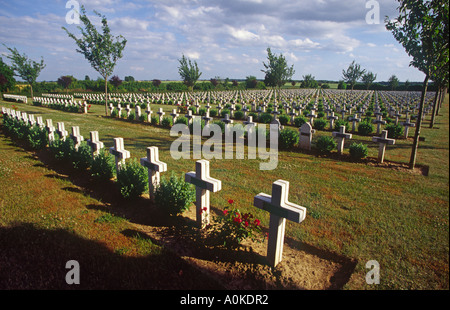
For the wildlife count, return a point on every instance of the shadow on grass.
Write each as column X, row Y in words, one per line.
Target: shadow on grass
column 35, row 258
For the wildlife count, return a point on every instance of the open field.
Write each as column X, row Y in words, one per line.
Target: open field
column 356, row 211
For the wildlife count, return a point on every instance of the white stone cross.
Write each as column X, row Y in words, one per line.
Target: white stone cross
column 40, row 122
column 119, row 152
column 227, row 122
column 354, row 119
column 190, row 117
column 207, row 118
column 311, row 116
column 149, row 112
column 407, row 124
column 51, row 129
column 94, row 143
column 379, row 121
column 160, row 113
column 203, row 185
column 280, row 209
column 174, row 115
column 341, row 135
column 61, row 131
column 332, row 118
column 155, row 167
column 383, row 141
column 76, row 137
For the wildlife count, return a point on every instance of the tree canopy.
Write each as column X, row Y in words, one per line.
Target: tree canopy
column 25, row 68
column 352, row 74
column 101, row 50
column 188, row 71
column 277, row 70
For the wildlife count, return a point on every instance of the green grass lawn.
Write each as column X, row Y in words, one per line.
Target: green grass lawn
column 364, row 212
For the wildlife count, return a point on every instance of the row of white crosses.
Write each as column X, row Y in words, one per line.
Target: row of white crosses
column 277, row 205
column 16, row 98
column 61, row 101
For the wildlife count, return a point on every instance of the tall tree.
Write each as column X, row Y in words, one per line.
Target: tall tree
column 309, row 81
column 352, row 74
column 101, row 50
column 393, row 82
column 116, row 81
column 277, row 70
column 422, row 29
column 65, row 82
column 368, row 78
column 7, row 80
column 189, row 71
column 24, row 67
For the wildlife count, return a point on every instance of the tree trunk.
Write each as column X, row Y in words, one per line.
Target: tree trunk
column 31, row 89
column 106, row 96
column 412, row 161
column 435, row 104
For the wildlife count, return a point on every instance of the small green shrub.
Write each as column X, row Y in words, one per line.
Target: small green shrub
column 224, row 112
column 166, row 122
column 325, row 144
column 115, row 113
column 182, row 120
column 132, row 179
column 320, row 124
column 238, row 115
column 300, row 120
column 365, row 128
column 37, row 138
column 154, row 120
column 81, row 158
column 358, row 150
column 288, row 138
column 212, row 112
column 265, row 118
column 340, row 122
column 103, row 166
column 62, row 149
column 284, row 119
column 174, row 196
column 394, row 131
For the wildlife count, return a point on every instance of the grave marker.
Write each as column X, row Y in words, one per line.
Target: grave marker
column 305, row 138
column 119, row 153
column 76, row 137
column 203, row 185
column 341, row 135
column 383, row 141
column 94, row 143
column 280, row 209
column 155, row 167
column 407, row 124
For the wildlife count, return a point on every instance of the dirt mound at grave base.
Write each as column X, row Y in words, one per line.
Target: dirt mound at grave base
column 302, row 267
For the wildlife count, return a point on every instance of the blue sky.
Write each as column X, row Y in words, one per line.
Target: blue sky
column 227, row 38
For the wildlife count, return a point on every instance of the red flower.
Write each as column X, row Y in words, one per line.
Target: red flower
column 237, row 220
column 246, row 223
column 230, row 201
column 204, row 209
column 225, row 212
column 257, row 222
